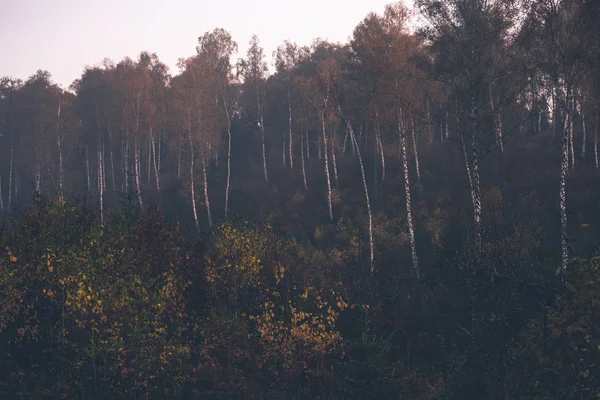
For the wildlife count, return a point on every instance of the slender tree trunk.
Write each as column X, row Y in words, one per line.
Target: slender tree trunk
column 179, row 160
column 475, row 177
column 596, row 136
column 208, row 213
column 283, row 147
column 307, row 145
column 112, row 170
column 584, row 127
column 149, row 161
column 192, row 181
column 60, row 153
column 38, row 176
column 380, row 145
column 429, row 123
column 326, row 166
column 319, row 148
column 569, row 118
column 416, row 151
column 344, row 145
column 137, row 172
column 290, row 126
column 446, row 123
column 497, row 121
column 87, row 169
column 366, row 189
column 409, row 219
column 302, row 159
column 154, row 158
column 262, row 136
column 333, row 159
column 10, row 174
column 101, row 181
column 1, row 195
column 564, row 166
column 228, row 157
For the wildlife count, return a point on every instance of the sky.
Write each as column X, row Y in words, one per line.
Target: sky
column 64, row 36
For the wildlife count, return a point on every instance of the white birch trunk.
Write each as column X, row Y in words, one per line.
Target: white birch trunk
column 262, row 136
column 497, row 121
column 155, row 160
column 137, row 173
column 207, row 203
column 380, row 146
column 192, row 181
column 596, row 137
column 290, row 126
column 333, row 159
column 569, row 118
column 345, row 140
column 409, row 219
column 101, row 182
column 564, row 166
column 584, row 127
column 326, row 166
column 228, row 157
column 302, row 160
column 366, row 189
column 283, row 147
column 87, row 169
column 416, row 151
column 475, row 177
column 10, row 175
column 60, row 153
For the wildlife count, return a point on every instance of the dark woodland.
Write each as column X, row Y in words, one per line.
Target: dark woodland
column 413, row 214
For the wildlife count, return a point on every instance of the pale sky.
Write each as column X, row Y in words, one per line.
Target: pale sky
column 63, row 36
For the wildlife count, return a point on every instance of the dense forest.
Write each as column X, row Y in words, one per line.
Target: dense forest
column 413, row 214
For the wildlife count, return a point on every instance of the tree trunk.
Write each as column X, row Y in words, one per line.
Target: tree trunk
column 497, row 118
column 179, row 160
column 11, row 167
column 154, row 159
column 283, row 147
column 333, row 159
column 87, row 169
column 345, row 140
column 192, row 181
column 475, row 177
column 564, row 166
column 262, row 136
column 380, row 146
column 409, row 220
column 290, row 125
column 307, row 145
column 366, row 189
column 1, row 196
column 208, row 213
column 595, row 136
column 228, row 157
column 112, row 171
column 60, row 153
column 38, row 177
column 584, row 127
column 569, row 118
column 101, row 181
column 319, row 148
column 137, row 172
column 326, row 166
column 416, row 151
column 302, row 159
column 429, row 123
